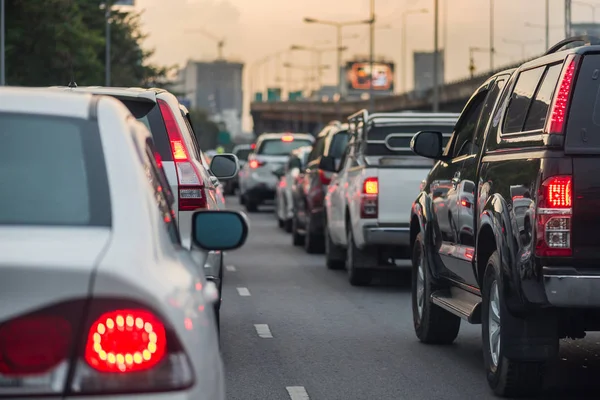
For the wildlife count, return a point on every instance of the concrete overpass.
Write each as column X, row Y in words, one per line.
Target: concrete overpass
column 310, row 116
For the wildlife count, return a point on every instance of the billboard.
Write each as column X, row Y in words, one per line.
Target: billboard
column 359, row 76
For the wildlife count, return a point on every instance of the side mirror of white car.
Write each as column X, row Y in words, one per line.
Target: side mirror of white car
column 225, row 166
column 219, row 230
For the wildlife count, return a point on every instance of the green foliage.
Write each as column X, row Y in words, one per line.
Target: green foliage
column 206, row 130
column 45, row 38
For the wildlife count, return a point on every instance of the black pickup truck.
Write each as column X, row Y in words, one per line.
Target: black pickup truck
column 505, row 231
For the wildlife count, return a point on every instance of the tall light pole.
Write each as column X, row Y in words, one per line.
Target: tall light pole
column 436, row 56
column 2, row 44
column 403, row 44
column 492, row 35
column 547, row 24
column 338, row 26
column 107, row 72
column 371, row 56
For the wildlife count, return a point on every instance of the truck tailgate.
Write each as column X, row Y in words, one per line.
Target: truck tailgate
column 586, row 209
column 398, row 189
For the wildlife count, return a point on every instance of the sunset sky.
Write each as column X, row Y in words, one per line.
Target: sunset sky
column 257, row 28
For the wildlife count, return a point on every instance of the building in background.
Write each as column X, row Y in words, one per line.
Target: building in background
column 216, row 87
column 423, row 70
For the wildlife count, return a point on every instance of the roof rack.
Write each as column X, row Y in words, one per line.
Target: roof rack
column 356, row 120
column 586, row 39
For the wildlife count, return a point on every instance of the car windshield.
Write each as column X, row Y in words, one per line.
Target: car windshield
column 56, row 167
column 242, row 154
column 338, row 144
column 277, row 147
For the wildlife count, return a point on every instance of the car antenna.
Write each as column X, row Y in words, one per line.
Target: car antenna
column 72, row 84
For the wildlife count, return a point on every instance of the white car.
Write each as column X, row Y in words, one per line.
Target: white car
column 190, row 179
column 97, row 294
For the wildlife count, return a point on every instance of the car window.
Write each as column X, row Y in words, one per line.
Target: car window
column 318, row 149
column 486, row 113
column 536, row 118
column 294, row 162
column 153, row 173
column 53, row 172
column 520, row 99
column 465, row 128
column 338, row 144
column 278, row 147
column 242, row 154
column 190, row 137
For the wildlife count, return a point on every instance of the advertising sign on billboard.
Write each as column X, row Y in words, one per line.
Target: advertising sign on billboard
column 359, row 76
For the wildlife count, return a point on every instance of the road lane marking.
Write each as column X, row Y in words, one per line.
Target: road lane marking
column 243, row 291
column 263, row 331
column 297, row 393
column 230, row 268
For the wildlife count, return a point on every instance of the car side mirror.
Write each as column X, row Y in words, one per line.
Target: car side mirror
column 327, row 163
column 427, row 144
column 224, row 166
column 219, row 230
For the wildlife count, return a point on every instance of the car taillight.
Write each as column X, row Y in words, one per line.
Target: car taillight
column 465, row 203
column 324, row 177
column 560, row 104
column 192, row 194
column 369, row 205
column 287, row 138
column 255, row 164
column 554, row 211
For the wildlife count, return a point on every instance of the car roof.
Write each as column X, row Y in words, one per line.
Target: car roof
column 268, row 136
column 132, row 92
column 45, row 102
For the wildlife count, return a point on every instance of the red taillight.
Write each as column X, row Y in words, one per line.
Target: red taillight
column 554, row 217
column 191, row 194
column 158, row 159
column 323, row 176
column 287, row 138
column 34, row 345
column 369, row 206
column 559, row 109
column 253, row 146
column 465, row 203
column 125, row 341
column 255, row 164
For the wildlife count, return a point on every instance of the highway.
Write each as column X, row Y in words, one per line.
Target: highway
column 291, row 329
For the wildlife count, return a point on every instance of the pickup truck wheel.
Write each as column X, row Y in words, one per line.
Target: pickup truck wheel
column 506, row 377
column 335, row 256
column 313, row 242
column 357, row 263
column 251, row 205
column 433, row 324
column 297, row 239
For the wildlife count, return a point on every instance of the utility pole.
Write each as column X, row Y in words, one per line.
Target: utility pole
column 2, row 44
column 371, row 56
column 567, row 18
column 436, row 56
column 492, row 50
column 547, row 24
column 107, row 5
column 338, row 68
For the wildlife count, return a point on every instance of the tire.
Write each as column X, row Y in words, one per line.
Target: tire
column 507, row 377
column 242, row 199
column 313, row 243
column 288, row 225
column 335, row 256
column 433, row 325
column 251, row 205
column 297, row 239
column 357, row 262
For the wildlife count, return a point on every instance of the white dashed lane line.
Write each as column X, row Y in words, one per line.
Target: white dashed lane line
column 230, row 268
column 297, row 393
column 263, row 331
column 242, row 291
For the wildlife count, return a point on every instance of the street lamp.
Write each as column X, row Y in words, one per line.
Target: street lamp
column 522, row 43
column 404, row 35
column 318, row 52
column 338, row 26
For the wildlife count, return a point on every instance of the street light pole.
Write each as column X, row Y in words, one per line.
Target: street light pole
column 491, row 35
column 371, row 56
column 436, row 56
column 107, row 71
column 339, row 58
column 547, row 24
column 2, row 44
column 403, row 45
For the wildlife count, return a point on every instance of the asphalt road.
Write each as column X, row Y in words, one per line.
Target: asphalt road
column 292, row 329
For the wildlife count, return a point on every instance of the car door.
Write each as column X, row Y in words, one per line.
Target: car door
column 445, row 178
column 338, row 187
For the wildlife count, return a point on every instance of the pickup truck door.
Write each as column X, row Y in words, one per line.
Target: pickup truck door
column 337, row 211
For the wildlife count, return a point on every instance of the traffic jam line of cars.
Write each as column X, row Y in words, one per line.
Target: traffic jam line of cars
column 495, row 208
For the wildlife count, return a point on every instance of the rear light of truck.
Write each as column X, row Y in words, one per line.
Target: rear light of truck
column 554, row 212
column 560, row 103
column 369, row 202
column 116, row 350
column 465, row 202
column 191, row 193
column 253, row 164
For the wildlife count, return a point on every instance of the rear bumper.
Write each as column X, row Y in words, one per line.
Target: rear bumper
column 387, row 236
column 565, row 289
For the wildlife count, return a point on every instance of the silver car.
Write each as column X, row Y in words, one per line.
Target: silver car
column 288, row 177
column 257, row 182
column 98, row 297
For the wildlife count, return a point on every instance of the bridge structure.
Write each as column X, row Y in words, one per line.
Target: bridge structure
column 311, row 116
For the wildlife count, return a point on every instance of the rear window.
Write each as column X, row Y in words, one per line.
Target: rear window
column 55, row 170
column 338, row 144
column 148, row 113
column 277, row 147
column 243, row 154
column 399, row 145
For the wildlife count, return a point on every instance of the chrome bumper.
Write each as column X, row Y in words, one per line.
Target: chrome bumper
column 580, row 291
column 398, row 236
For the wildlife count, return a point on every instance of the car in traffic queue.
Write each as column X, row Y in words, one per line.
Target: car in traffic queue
column 308, row 219
column 241, row 151
column 369, row 197
column 99, row 297
column 527, row 267
column 176, row 144
column 256, row 179
column 290, row 177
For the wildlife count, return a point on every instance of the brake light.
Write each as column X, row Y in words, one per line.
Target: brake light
column 253, row 146
column 369, row 206
column 191, row 195
column 255, row 164
column 323, row 176
column 553, row 236
column 559, row 109
column 158, row 159
column 287, row 138
column 465, row 203
column 125, row 341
